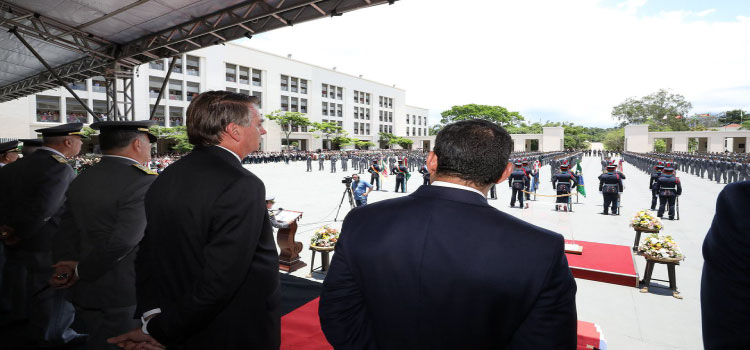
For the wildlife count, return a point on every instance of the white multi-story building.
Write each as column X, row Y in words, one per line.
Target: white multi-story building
column 362, row 107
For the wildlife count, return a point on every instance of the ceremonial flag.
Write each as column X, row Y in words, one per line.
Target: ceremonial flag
column 581, row 188
column 383, row 167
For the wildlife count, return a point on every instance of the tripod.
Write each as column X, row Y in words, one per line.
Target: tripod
column 347, row 193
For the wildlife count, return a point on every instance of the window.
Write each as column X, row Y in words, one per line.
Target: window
column 407, row 131
column 361, row 113
column 407, row 119
column 340, row 110
column 380, row 116
column 362, row 128
column 420, row 131
column 260, row 98
column 356, row 128
column 390, row 117
column 98, row 84
column 390, row 129
column 413, row 131
column 175, row 116
column 367, row 113
column 294, row 84
column 231, row 73
column 324, row 90
column 192, row 65
column 332, row 93
column 390, row 103
column 295, row 104
column 157, row 65
column 367, row 129
column 245, row 92
column 356, row 96
column 231, row 89
column 177, row 65
column 285, row 103
column 356, row 112
column 75, row 113
column 256, row 78
column 79, row 85
column 158, row 115
column 154, row 86
column 303, row 105
column 381, row 100
column 367, row 99
column 193, row 89
column 244, row 75
column 175, row 90
column 100, row 108
column 420, row 120
column 284, row 83
column 339, row 93
column 325, row 108
column 332, row 109
column 303, row 86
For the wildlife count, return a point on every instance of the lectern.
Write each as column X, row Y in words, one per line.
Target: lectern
column 289, row 256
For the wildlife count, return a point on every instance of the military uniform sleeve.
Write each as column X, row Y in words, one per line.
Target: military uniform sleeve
column 127, row 231
column 48, row 196
column 67, row 243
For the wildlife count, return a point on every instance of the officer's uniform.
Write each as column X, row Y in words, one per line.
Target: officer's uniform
column 309, row 162
column 425, row 175
column 401, row 172
column 610, row 185
column 9, row 152
column 669, row 187
column 517, row 182
column 321, row 159
column 344, row 159
column 652, row 185
column 100, row 229
column 333, row 163
column 36, row 186
column 563, row 182
column 375, row 174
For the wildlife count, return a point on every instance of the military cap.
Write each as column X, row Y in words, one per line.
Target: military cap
column 9, row 146
column 517, row 163
column 564, row 166
column 63, row 130
column 611, row 166
column 659, row 166
column 374, row 161
column 270, row 199
column 134, row 125
column 668, row 169
column 31, row 142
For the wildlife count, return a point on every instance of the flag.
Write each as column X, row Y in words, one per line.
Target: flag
column 678, row 117
column 383, row 167
column 579, row 170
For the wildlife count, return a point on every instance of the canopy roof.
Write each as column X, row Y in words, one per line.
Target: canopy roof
column 82, row 38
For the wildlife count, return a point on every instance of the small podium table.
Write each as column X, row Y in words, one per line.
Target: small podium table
column 289, row 260
column 671, row 263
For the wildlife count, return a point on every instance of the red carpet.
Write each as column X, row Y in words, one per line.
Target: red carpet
column 300, row 330
column 606, row 263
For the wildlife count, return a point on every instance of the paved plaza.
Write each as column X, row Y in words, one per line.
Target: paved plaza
column 629, row 319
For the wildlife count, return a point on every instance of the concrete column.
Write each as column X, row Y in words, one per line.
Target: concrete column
column 680, row 144
column 716, row 143
column 552, row 139
column 518, row 144
column 637, row 139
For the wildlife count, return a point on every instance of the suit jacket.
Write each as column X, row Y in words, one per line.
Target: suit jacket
column 101, row 228
column 447, row 271
column 725, row 284
column 208, row 258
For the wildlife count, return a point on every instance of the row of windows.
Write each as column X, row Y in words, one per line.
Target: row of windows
column 386, row 102
column 361, row 97
column 417, row 132
column 361, row 113
column 416, row 120
column 249, row 93
column 174, row 87
column 333, row 109
column 48, row 111
column 339, row 123
column 386, row 116
column 176, row 115
column 333, row 92
column 386, row 128
column 297, row 104
column 192, row 65
column 293, row 84
column 244, row 76
column 361, row 128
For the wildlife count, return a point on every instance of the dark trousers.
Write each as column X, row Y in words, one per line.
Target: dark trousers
column 654, row 197
column 401, row 182
column 375, row 181
column 320, row 166
column 309, row 166
column 664, row 200
column 527, row 189
column 106, row 323
column 361, row 202
column 333, row 167
column 426, row 181
column 493, row 192
column 610, row 199
column 516, row 194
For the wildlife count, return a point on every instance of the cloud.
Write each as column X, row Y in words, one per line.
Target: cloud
column 631, row 6
column 557, row 60
column 705, row 12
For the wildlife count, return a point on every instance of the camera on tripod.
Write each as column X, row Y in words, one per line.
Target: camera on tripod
column 347, row 180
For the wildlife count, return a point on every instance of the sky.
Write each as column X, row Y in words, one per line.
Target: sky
column 547, row 59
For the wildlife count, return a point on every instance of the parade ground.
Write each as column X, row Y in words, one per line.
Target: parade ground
column 628, row 318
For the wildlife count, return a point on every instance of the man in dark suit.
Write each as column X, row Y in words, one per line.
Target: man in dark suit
column 207, row 272
column 101, row 228
column 449, row 271
column 725, row 295
column 32, row 203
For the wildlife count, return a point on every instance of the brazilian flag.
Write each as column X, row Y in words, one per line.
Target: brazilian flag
column 579, row 172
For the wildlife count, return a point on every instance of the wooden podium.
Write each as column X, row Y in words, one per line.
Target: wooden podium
column 289, row 257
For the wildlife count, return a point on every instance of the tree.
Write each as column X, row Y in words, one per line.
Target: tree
column 614, row 140
column 342, row 141
column 404, row 142
column 388, row 138
column 736, row 116
column 177, row 134
column 289, row 122
column 435, row 129
column 745, row 125
column 660, row 109
column 660, row 145
column 364, row 144
column 328, row 129
column 495, row 114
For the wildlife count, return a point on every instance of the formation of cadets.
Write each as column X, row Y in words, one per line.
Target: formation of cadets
column 720, row 167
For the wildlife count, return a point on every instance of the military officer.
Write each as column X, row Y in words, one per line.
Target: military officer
column 309, row 162
column 29, row 146
column 610, row 186
column 652, row 184
column 564, row 182
column 425, row 175
column 669, row 188
column 100, row 228
column 270, row 201
column 321, row 159
column 344, row 159
column 333, row 159
column 8, row 152
column 375, row 174
column 402, row 174
column 517, row 182
column 36, row 186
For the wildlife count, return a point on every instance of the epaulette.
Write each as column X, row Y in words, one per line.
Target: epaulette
column 60, row 159
column 145, row 170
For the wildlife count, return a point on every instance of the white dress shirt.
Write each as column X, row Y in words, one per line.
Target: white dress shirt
column 460, row 187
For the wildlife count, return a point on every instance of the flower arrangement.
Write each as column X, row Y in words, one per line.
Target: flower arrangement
column 324, row 237
column 660, row 247
column 645, row 219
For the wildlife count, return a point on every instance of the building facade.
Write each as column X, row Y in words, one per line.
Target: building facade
column 362, row 107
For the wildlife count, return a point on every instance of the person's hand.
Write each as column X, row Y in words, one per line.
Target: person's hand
column 364, row 194
column 64, row 275
column 135, row 340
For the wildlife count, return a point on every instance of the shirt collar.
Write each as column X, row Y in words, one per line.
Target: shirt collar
column 128, row 158
column 53, row 151
column 460, row 187
column 234, row 154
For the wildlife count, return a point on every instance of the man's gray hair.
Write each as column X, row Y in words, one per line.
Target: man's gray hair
column 210, row 112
